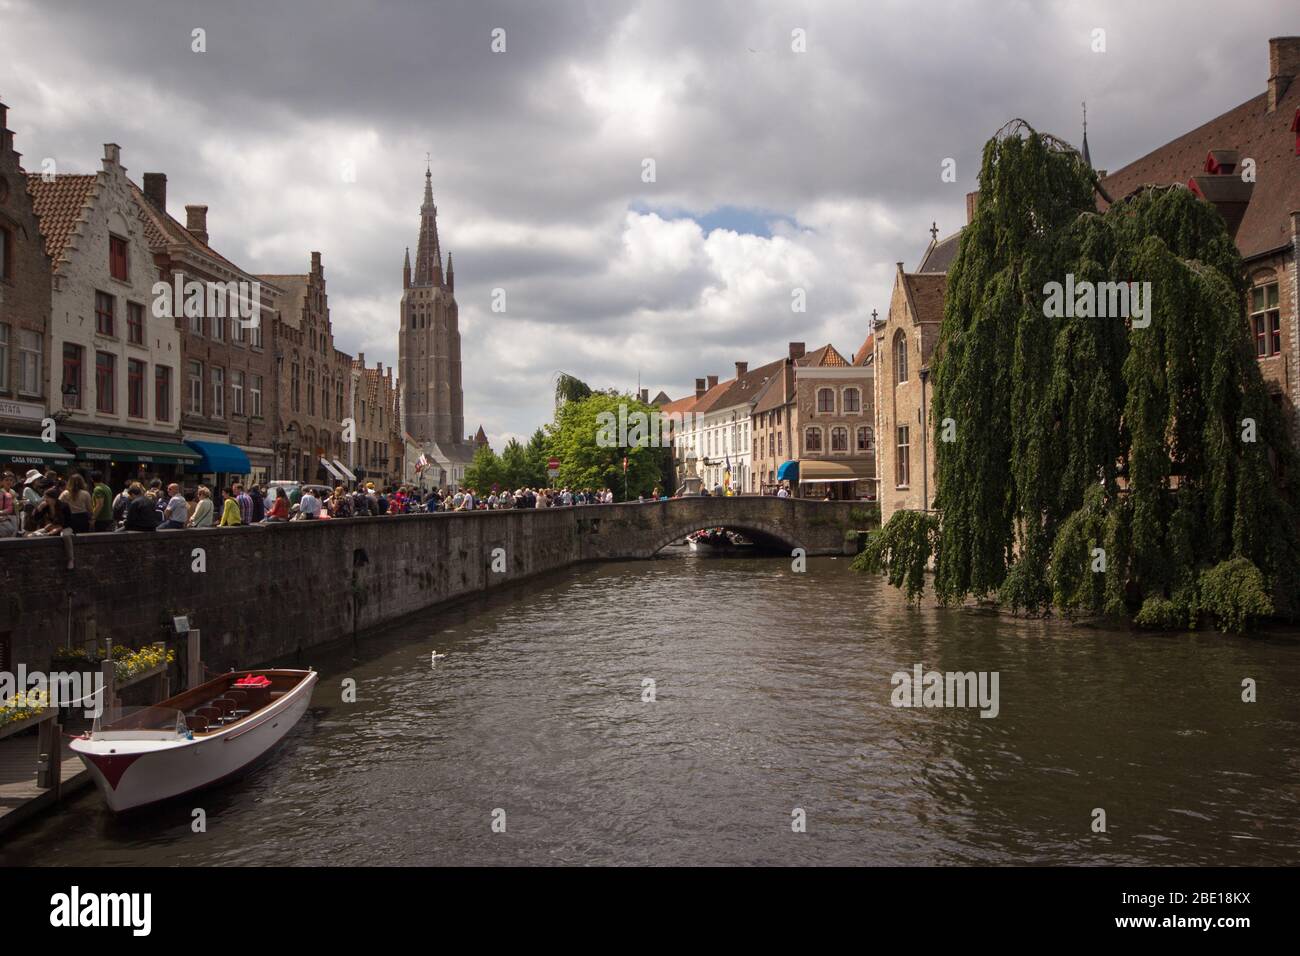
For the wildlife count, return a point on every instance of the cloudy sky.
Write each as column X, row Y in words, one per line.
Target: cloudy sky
column 774, row 169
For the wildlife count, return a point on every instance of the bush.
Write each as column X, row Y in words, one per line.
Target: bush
column 1233, row 594
column 1161, row 614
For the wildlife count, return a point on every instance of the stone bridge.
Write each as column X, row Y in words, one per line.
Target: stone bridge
column 639, row 530
column 274, row 592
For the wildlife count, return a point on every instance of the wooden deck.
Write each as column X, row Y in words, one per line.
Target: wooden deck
column 19, row 795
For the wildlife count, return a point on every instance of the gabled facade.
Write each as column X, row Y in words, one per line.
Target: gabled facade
column 904, row 343
column 314, row 379
column 375, row 401
column 116, row 366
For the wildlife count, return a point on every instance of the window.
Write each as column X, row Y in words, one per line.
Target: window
column 839, row 439
column 293, row 386
column 4, row 253
column 852, row 401
column 256, row 337
column 1266, row 320
column 339, row 390
column 238, row 330
column 825, row 401
column 103, row 313
column 771, row 443
column 195, row 372
column 324, row 395
column 117, row 258
column 217, row 323
column 903, row 467
column 255, row 396
column 237, row 392
column 4, row 355
column 779, row 452
column 105, row 381
column 218, row 392
column 72, row 365
column 135, row 388
column 311, row 391
column 812, row 439
column 31, row 362
column 162, row 393
column 135, row 323
column 866, row 441
column 900, row 358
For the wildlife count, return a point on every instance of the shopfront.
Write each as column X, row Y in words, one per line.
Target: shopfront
column 21, row 453
column 129, row 459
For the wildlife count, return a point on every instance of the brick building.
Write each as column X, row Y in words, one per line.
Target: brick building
column 375, row 412
column 227, row 359
column 314, row 380
column 24, row 321
column 819, row 412
column 1216, row 161
column 902, row 345
column 116, row 364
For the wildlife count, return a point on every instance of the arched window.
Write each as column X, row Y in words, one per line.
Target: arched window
column 900, row 358
column 866, row 439
column 826, row 401
column 839, row 438
column 812, row 439
column 852, row 401
column 294, row 391
column 311, row 390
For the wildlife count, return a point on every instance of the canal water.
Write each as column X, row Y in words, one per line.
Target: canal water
column 772, row 704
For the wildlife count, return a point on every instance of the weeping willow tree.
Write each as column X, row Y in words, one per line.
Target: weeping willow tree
column 1100, row 462
column 569, row 388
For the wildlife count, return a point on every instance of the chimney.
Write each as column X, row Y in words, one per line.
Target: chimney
column 700, row 388
column 1283, row 65
column 645, row 396
column 155, row 189
column 796, row 350
column 315, row 263
column 196, row 222
column 713, row 381
column 6, row 141
column 972, row 200
column 741, row 368
column 112, row 155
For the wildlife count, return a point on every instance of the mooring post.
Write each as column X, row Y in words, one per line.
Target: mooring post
column 194, row 663
column 108, row 672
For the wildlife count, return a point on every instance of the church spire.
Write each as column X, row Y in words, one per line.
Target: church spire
column 1084, row 151
column 406, row 270
column 428, row 255
column 451, row 275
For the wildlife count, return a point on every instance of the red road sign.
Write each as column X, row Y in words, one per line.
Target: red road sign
column 554, row 463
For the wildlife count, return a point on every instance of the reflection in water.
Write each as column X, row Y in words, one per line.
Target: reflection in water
column 772, row 692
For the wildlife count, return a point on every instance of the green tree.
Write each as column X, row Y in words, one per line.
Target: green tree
column 591, row 455
column 1079, row 432
column 485, row 472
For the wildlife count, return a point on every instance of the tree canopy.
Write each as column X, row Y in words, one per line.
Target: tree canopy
column 1100, row 462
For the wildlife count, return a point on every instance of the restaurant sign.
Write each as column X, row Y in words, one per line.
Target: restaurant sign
column 27, row 411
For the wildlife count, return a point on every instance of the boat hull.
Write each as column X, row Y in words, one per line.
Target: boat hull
column 133, row 774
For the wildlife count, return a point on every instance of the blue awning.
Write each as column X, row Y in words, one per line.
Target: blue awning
column 789, row 471
column 218, row 457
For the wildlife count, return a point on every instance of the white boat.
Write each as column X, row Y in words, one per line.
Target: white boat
column 196, row 739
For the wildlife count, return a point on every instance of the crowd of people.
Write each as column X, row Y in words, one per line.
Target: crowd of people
column 48, row 503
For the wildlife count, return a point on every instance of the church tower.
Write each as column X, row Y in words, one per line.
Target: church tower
column 429, row 342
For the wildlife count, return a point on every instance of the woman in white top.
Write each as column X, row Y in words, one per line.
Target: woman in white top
column 202, row 517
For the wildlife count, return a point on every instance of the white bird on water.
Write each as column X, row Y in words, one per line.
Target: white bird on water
column 434, row 657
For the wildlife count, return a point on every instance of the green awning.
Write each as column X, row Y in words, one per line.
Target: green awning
column 112, row 448
column 25, row 450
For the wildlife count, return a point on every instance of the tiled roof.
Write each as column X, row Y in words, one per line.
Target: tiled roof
column 679, row 406
column 824, row 357
column 865, row 350
column 940, row 254
column 926, row 291
column 163, row 230
column 778, row 391
column 60, row 205
column 737, row 391
column 1255, row 133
